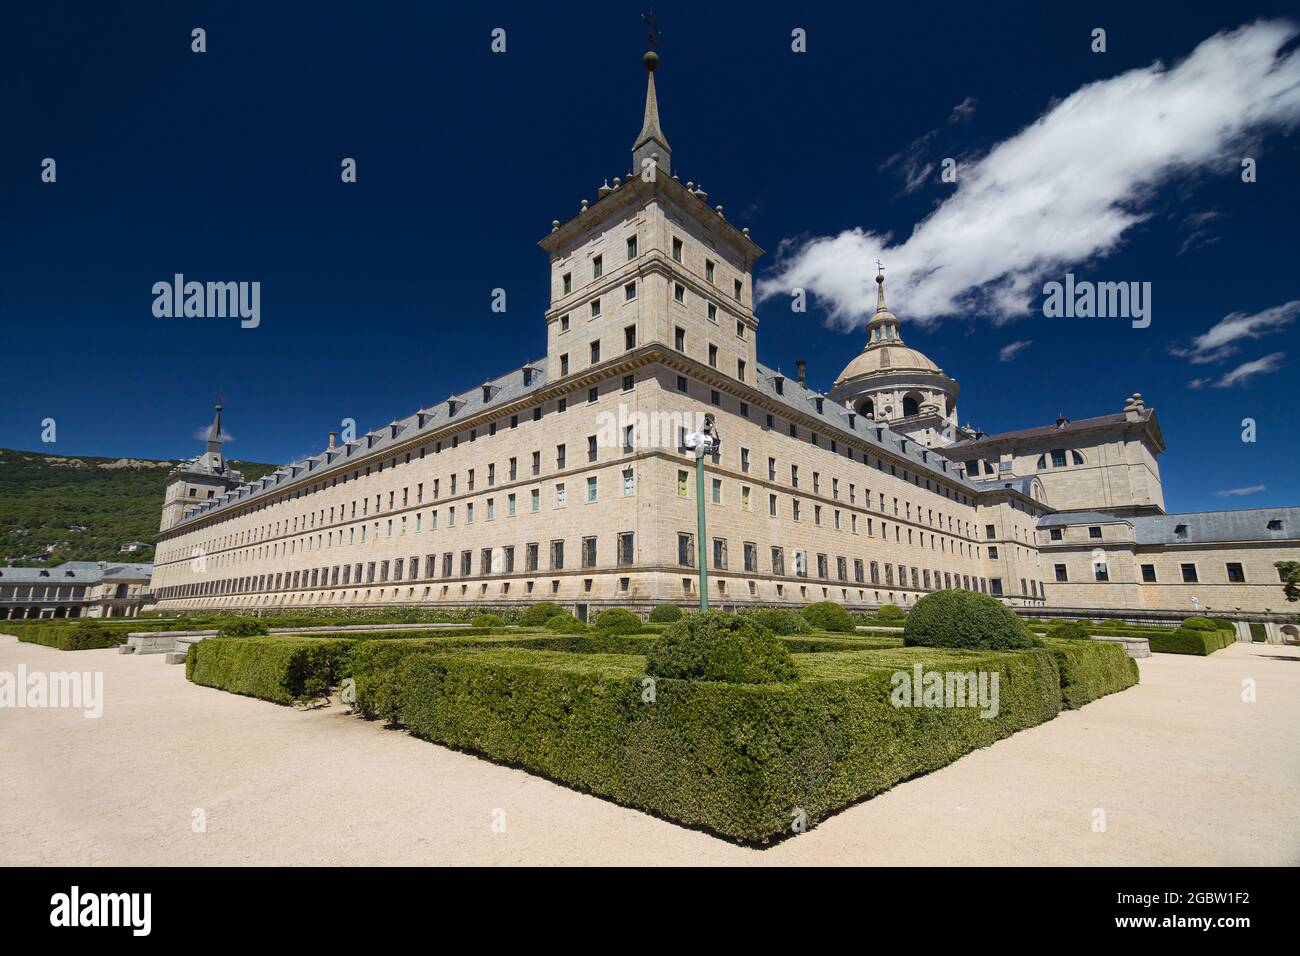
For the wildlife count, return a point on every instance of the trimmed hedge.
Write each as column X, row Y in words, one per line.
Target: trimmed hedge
column 488, row 620
column 1192, row 641
column 539, row 614
column 616, row 619
column 1070, row 630
column 780, row 620
column 86, row 634
column 891, row 612
column 829, row 616
column 274, row 669
column 745, row 761
column 720, row 647
column 956, row 618
column 665, row 614
column 1199, row 624
column 1091, row 669
column 243, row 627
column 565, row 623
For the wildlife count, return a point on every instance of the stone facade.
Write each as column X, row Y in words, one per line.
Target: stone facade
column 566, row 480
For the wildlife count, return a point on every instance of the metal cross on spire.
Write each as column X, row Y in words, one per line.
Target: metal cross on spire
column 653, row 32
column 879, row 266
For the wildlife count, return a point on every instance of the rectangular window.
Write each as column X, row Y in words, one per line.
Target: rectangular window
column 1061, row 573
column 1058, row 457
column 679, row 339
column 629, row 337
column 686, row 550
column 595, row 352
column 589, row 552
column 629, row 482
column 597, row 267
column 677, row 250
column 567, row 283
column 1094, row 532
column 683, row 483
column 1189, row 574
column 1235, row 574
column 626, row 549
column 530, row 556
column 1148, row 574
column 631, row 247
column 708, row 270
column 713, row 356
column 595, row 308
column 720, row 553
column 995, row 587
column 679, row 293
column 591, row 489
column 557, row 555
column 535, row 499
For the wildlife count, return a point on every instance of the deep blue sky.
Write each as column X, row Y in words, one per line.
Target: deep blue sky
column 375, row 296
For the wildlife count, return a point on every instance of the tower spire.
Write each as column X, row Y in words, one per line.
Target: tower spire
column 880, row 287
column 883, row 327
column 214, row 432
column 651, row 144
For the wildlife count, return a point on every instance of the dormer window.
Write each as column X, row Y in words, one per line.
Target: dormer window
column 1275, row 524
column 1180, row 531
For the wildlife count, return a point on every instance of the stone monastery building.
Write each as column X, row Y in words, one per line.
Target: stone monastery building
column 566, row 480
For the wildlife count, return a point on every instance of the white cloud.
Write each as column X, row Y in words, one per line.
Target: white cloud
column 1221, row 340
column 1248, row 370
column 1010, row 351
column 1062, row 191
column 1238, row 492
column 201, row 434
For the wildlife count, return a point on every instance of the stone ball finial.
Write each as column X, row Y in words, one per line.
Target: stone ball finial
column 555, row 224
column 651, row 60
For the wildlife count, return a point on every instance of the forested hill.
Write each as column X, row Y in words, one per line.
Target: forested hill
column 46, row 501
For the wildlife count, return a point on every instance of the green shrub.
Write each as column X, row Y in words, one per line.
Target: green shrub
column 272, row 668
column 956, row 618
column 1258, row 632
column 1198, row 624
column 488, row 620
column 781, row 621
column 665, row 614
column 617, row 620
column 828, row 616
column 1190, row 640
column 736, row 759
column 890, row 612
column 565, row 623
column 1223, row 624
column 243, row 627
column 539, row 614
column 720, row 647
column 1092, row 669
column 1113, row 622
column 1071, row 630
column 79, row 634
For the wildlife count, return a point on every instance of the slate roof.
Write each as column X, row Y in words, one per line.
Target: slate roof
column 75, row 572
column 1200, row 527
column 1039, row 431
column 501, row 391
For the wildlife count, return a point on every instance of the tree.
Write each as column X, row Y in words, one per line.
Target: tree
column 1289, row 572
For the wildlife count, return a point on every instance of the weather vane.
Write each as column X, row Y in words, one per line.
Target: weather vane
column 653, row 31
column 879, row 266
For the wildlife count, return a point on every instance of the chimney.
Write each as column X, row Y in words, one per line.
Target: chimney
column 334, row 437
column 801, row 368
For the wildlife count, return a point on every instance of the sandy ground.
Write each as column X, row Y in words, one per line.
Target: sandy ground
column 1184, row 771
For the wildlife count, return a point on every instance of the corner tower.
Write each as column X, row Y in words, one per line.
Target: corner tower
column 198, row 479
column 650, row 262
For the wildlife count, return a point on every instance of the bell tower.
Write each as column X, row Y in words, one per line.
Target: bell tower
column 193, row 482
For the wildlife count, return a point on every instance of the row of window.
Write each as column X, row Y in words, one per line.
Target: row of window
column 1233, row 570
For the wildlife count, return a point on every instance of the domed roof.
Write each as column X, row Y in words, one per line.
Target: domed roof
column 887, row 357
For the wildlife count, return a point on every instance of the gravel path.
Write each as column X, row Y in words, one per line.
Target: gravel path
column 1184, row 771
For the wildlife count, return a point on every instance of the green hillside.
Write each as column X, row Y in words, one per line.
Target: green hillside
column 44, row 499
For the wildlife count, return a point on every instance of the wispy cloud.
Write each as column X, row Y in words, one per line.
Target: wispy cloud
column 1248, row 370
column 1064, row 190
column 1010, row 351
column 1223, row 338
column 201, row 434
column 963, row 110
column 1238, row 492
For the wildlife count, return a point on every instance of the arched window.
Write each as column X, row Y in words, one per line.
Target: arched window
column 867, row 408
column 1078, row 459
column 1042, row 462
column 911, row 404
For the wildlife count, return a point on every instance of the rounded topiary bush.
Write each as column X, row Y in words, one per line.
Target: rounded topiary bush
column 488, row 620
column 1071, row 630
column 665, row 614
column 242, row 627
column 890, row 612
column 720, row 647
column 957, row 618
column 1223, row 624
column 828, row 616
column 1199, row 624
column 781, row 621
column 565, row 623
column 539, row 614
column 617, row 620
